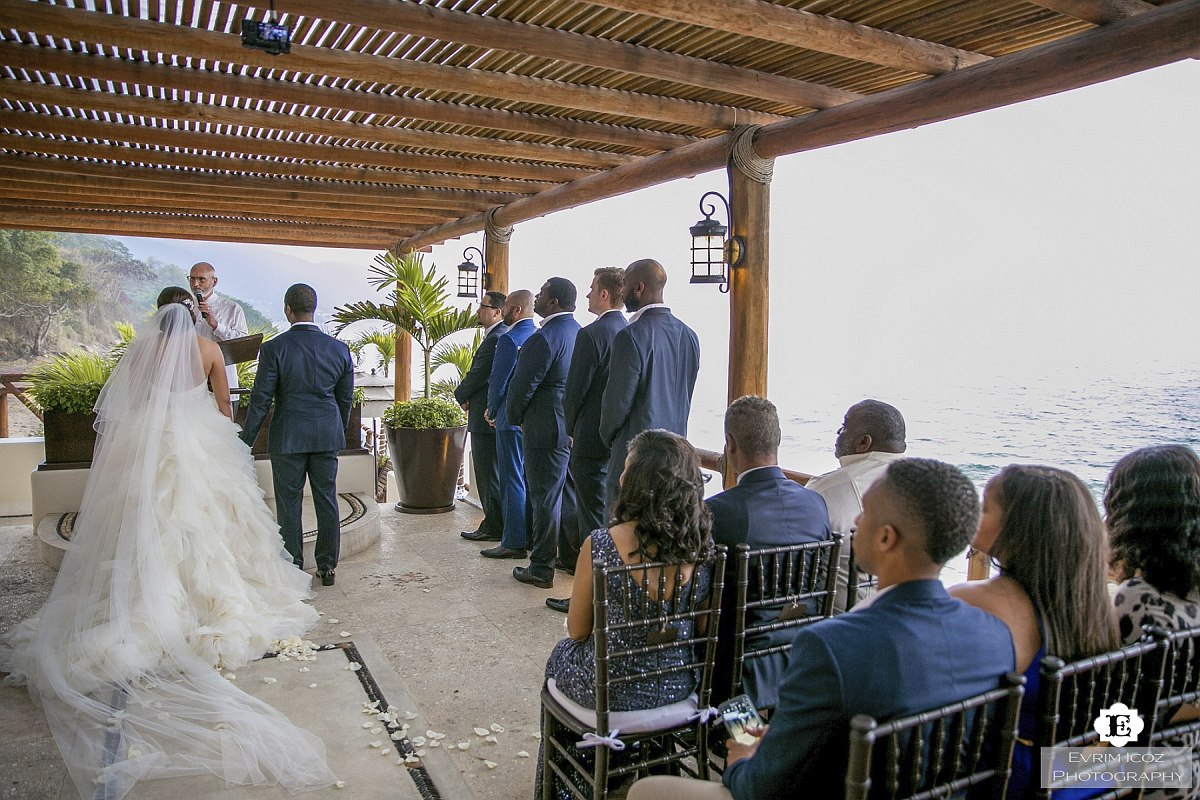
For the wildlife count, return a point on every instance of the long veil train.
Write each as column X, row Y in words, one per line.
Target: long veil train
column 175, row 567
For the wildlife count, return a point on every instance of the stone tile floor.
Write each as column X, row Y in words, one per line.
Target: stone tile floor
column 466, row 641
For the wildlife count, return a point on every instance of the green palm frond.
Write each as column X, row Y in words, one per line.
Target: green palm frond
column 365, row 310
column 384, row 343
column 456, row 355
column 443, row 387
column 446, row 324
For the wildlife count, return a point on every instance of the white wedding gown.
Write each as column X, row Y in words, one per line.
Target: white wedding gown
column 175, row 570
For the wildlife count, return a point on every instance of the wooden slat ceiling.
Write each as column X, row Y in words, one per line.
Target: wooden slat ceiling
column 398, row 123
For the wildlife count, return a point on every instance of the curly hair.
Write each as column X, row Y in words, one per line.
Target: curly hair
column 941, row 497
column 1052, row 543
column 662, row 491
column 1153, row 507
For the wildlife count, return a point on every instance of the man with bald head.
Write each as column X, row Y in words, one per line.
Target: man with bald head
column 510, row 461
column 872, row 436
column 220, row 319
column 651, row 373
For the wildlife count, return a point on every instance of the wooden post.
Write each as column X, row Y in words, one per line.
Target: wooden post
column 3, row 413
column 979, row 565
column 402, row 371
column 495, row 252
column 750, row 212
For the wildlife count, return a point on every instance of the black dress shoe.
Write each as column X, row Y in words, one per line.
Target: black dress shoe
column 503, row 552
column 480, row 536
column 523, row 575
column 326, row 577
column 563, row 605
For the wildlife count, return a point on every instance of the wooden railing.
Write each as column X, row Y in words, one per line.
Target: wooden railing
column 14, row 383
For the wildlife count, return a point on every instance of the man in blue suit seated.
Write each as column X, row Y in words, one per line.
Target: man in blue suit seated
column 764, row 509
column 910, row 648
column 535, row 403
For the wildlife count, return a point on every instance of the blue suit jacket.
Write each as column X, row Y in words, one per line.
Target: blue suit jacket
column 651, row 375
column 309, row 376
column 503, row 363
column 535, row 392
column 765, row 510
column 586, row 381
column 473, row 388
column 914, row 648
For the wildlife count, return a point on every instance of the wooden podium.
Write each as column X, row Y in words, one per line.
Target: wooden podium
column 243, row 348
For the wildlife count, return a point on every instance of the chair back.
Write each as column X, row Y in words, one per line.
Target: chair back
column 938, row 753
column 856, row 580
column 778, row 588
column 1180, row 685
column 682, row 628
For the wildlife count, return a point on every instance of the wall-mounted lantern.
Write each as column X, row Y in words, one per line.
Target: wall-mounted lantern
column 469, row 274
column 712, row 253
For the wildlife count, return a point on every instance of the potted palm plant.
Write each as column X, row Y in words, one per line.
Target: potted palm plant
column 427, row 436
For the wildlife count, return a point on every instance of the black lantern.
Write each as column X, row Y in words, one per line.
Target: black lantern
column 468, row 274
column 712, row 253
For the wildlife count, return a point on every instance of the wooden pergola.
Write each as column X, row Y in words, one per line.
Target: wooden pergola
column 400, row 124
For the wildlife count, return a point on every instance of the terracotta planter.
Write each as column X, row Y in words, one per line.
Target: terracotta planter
column 427, row 462
column 259, row 448
column 70, row 439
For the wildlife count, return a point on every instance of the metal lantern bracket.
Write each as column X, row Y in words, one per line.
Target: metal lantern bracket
column 708, row 252
column 468, row 274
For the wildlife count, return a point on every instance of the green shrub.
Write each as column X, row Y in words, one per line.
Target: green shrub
column 70, row 382
column 425, row 412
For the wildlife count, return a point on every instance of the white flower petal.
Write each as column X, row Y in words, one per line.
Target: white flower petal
column 497, row 728
column 354, row 665
column 464, row 745
column 418, row 741
column 421, row 752
column 375, row 743
column 229, row 676
column 269, row 680
column 312, row 686
column 340, row 784
column 480, row 731
column 333, row 620
column 522, row 754
column 376, row 731
column 410, row 715
column 344, row 633
column 435, row 743
column 490, row 739
column 490, row 764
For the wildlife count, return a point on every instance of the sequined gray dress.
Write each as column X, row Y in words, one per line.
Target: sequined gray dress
column 572, row 664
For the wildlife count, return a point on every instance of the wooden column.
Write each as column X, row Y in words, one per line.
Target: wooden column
column 495, row 252
column 750, row 212
column 402, row 374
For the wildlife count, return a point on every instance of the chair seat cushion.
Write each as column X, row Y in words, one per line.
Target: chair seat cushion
column 649, row 719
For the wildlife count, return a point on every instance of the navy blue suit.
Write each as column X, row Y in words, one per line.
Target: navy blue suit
column 914, row 648
column 535, row 402
column 582, row 401
column 765, row 509
column 651, row 375
column 510, row 462
column 472, row 391
column 309, row 377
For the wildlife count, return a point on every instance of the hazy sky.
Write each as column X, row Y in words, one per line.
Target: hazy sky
column 1058, row 238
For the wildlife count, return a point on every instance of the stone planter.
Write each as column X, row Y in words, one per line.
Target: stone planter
column 70, row 439
column 259, row 448
column 427, row 462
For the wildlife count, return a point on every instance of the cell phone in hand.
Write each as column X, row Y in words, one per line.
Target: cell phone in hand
column 740, row 716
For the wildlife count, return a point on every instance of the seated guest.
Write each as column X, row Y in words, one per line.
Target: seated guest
column 871, row 437
column 659, row 516
column 764, row 509
column 1041, row 526
column 910, row 648
column 1153, row 508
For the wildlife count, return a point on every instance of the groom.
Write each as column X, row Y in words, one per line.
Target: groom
column 310, row 377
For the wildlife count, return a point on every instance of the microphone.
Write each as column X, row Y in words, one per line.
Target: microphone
column 199, row 300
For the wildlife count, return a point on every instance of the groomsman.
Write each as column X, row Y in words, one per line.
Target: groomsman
column 309, row 377
column 652, row 370
column 510, row 461
column 471, row 394
column 535, row 402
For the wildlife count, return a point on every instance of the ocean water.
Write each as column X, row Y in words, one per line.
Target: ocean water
column 1079, row 422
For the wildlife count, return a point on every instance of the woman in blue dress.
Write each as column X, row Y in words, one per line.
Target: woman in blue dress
column 1042, row 527
column 660, row 516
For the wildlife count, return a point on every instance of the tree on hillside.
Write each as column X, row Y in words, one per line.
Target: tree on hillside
column 37, row 288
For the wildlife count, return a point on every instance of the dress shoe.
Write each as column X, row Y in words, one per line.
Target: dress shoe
column 480, row 536
column 523, row 575
column 563, row 605
column 326, row 577
column 503, row 552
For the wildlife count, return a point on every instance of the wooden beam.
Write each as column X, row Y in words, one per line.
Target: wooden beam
column 749, row 286
column 260, row 166
column 532, row 176
column 1158, row 37
column 495, row 254
column 773, row 23
column 407, row 18
column 1097, row 12
column 429, row 198
column 200, row 115
column 78, row 24
column 142, row 73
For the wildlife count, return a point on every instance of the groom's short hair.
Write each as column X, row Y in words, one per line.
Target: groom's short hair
column 300, row 298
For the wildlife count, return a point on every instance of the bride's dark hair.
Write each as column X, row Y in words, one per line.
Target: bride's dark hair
column 663, row 492
column 177, row 294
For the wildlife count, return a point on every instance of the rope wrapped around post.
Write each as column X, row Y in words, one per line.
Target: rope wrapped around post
column 496, row 233
column 748, row 162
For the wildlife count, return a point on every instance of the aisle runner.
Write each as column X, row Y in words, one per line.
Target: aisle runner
column 328, row 700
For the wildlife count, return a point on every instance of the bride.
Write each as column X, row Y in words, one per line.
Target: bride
column 175, row 571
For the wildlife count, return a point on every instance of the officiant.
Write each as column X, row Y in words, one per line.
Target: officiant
column 218, row 318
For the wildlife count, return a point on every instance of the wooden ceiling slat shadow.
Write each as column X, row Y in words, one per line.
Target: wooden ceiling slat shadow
column 397, row 123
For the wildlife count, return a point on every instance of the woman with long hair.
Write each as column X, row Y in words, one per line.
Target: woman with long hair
column 660, row 516
column 1041, row 526
column 175, row 571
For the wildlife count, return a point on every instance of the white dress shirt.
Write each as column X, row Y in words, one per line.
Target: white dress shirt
column 635, row 316
column 231, row 323
column 843, row 489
